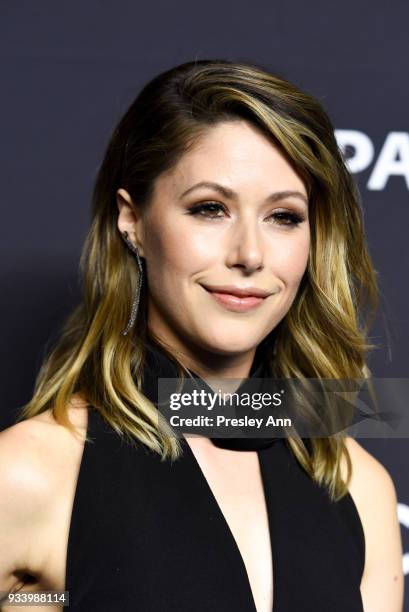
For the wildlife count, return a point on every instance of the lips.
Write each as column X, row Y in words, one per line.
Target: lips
column 237, row 303
column 241, row 292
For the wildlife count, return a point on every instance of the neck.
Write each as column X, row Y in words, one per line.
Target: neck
column 158, row 364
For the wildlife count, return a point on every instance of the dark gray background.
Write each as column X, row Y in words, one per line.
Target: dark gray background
column 69, row 71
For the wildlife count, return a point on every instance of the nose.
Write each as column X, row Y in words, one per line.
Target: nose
column 246, row 247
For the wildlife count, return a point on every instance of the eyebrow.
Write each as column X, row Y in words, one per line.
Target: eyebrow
column 232, row 195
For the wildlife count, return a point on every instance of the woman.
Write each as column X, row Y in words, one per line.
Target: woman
column 227, row 241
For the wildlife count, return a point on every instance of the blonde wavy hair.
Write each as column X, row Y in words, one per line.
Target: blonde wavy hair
column 321, row 336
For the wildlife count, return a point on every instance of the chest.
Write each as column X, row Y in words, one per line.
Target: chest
column 235, row 482
column 232, row 483
column 199, row 534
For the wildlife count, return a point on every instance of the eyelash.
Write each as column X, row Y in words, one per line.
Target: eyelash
column 198, row 209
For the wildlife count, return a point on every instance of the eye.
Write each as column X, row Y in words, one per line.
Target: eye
column 287, row 218
column 210, row 209
column 206, row 207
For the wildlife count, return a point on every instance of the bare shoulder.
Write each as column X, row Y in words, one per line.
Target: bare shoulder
column 38, row 447
column 368, row 474
column 374, row 494
column 371, row 485
column 41, row 446
column 30, row 443
column 38, row 458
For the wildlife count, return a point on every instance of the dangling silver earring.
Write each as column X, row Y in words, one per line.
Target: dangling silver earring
column 135, row 304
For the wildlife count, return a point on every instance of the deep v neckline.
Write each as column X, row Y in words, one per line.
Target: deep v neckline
column 159, row 365
column 226, row 527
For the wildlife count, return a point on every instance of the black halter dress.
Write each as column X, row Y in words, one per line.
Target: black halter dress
column 148, row 535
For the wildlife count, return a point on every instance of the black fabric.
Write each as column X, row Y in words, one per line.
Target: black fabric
column 148, row 535
column 159, row 365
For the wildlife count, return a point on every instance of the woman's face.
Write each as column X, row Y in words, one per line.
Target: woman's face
column 241, row 235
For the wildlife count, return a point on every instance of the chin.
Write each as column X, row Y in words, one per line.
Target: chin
column 229, row 344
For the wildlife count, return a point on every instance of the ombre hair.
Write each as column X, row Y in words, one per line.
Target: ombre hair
column 324, row 333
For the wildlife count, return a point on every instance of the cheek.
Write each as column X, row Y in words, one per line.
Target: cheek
column 291, row 259
column 175, row 254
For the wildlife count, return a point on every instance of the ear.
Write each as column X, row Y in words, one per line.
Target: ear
column 129, row 218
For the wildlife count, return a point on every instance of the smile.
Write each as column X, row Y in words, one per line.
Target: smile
column 236, row 303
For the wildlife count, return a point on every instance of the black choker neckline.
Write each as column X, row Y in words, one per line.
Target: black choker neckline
column 159, row 365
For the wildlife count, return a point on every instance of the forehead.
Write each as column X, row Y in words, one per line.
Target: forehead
column 235, row 154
